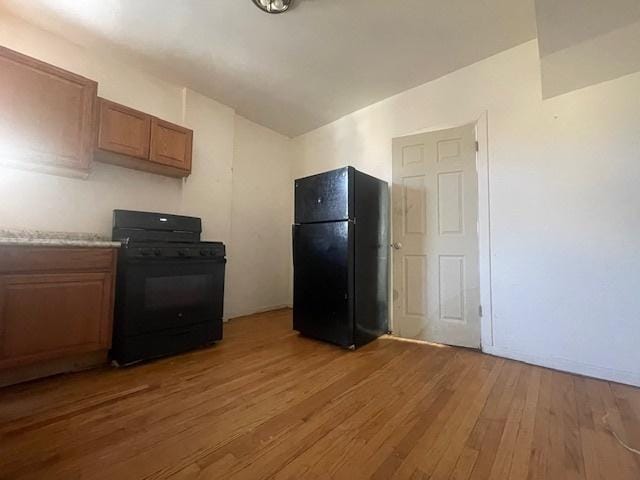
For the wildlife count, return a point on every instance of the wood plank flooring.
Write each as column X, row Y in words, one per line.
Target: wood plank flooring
column 266, row 403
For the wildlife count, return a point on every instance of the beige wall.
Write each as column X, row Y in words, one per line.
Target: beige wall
column 564, row 202
column 262, row 198
column 34, row 200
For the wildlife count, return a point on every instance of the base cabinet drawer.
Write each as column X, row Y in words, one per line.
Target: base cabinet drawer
column 17, row 259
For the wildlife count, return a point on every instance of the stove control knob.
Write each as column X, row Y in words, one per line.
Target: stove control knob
column 183, row 253
column 157, row 252
column 204, row 253
column 145, row 252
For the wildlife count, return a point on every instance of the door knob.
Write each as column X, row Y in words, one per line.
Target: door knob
column 396, row 245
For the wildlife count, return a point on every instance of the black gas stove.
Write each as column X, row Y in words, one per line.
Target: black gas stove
column 169, row 287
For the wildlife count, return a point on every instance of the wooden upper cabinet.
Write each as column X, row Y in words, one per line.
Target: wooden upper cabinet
column 123, row 130
column 171, row 144
column 137, row 140
column 46, row 116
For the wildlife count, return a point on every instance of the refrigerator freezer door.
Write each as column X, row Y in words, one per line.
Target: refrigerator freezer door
column 325, row 197
column 322, row 292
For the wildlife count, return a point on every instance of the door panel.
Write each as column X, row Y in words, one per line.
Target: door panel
column 124, row 130
column 46, row 114
column 414, row 205
column 322, row 276
column 415, row 275
column 450, row 203
column 412, row 154
column 435, row 214
column 451, row 287
column 171, row 145
column 48, row 315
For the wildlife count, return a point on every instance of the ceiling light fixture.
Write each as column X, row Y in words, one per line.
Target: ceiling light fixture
column 273, row 6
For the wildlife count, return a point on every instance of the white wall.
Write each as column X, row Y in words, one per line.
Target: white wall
column 39, row 201
column 564, row 195
column 206, row 193
column 260, row 159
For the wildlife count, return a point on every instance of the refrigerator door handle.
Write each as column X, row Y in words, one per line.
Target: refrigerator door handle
column 293, row 243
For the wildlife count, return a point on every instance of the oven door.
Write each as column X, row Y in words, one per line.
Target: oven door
column 159, row 294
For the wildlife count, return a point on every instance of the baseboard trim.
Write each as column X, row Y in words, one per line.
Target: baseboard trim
column 256, row 311
column 566, row 365
column 54, row 366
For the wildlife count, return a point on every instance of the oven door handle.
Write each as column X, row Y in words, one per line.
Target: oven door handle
column 181, row 334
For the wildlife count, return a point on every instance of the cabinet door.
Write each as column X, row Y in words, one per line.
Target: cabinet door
column 123, row 130
column 46, row 115
column 171, row 144
column 48, row 316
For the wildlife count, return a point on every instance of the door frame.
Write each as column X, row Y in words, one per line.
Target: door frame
column 481, row 124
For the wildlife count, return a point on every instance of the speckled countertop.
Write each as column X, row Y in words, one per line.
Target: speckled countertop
column 54, row 239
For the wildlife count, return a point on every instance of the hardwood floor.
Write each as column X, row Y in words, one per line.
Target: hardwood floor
column 266, row 403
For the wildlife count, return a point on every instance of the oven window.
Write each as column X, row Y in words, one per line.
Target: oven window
column 178, row 291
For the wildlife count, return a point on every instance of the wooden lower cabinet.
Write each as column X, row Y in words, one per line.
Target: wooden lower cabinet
column 50, row 309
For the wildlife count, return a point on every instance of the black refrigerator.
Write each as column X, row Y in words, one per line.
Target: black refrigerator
column 341, row 257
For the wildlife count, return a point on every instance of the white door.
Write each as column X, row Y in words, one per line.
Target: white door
column 436, row 281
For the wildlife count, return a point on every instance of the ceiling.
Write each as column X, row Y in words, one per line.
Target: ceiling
column 296, row 71
column 570, row 22
column 585, row 42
